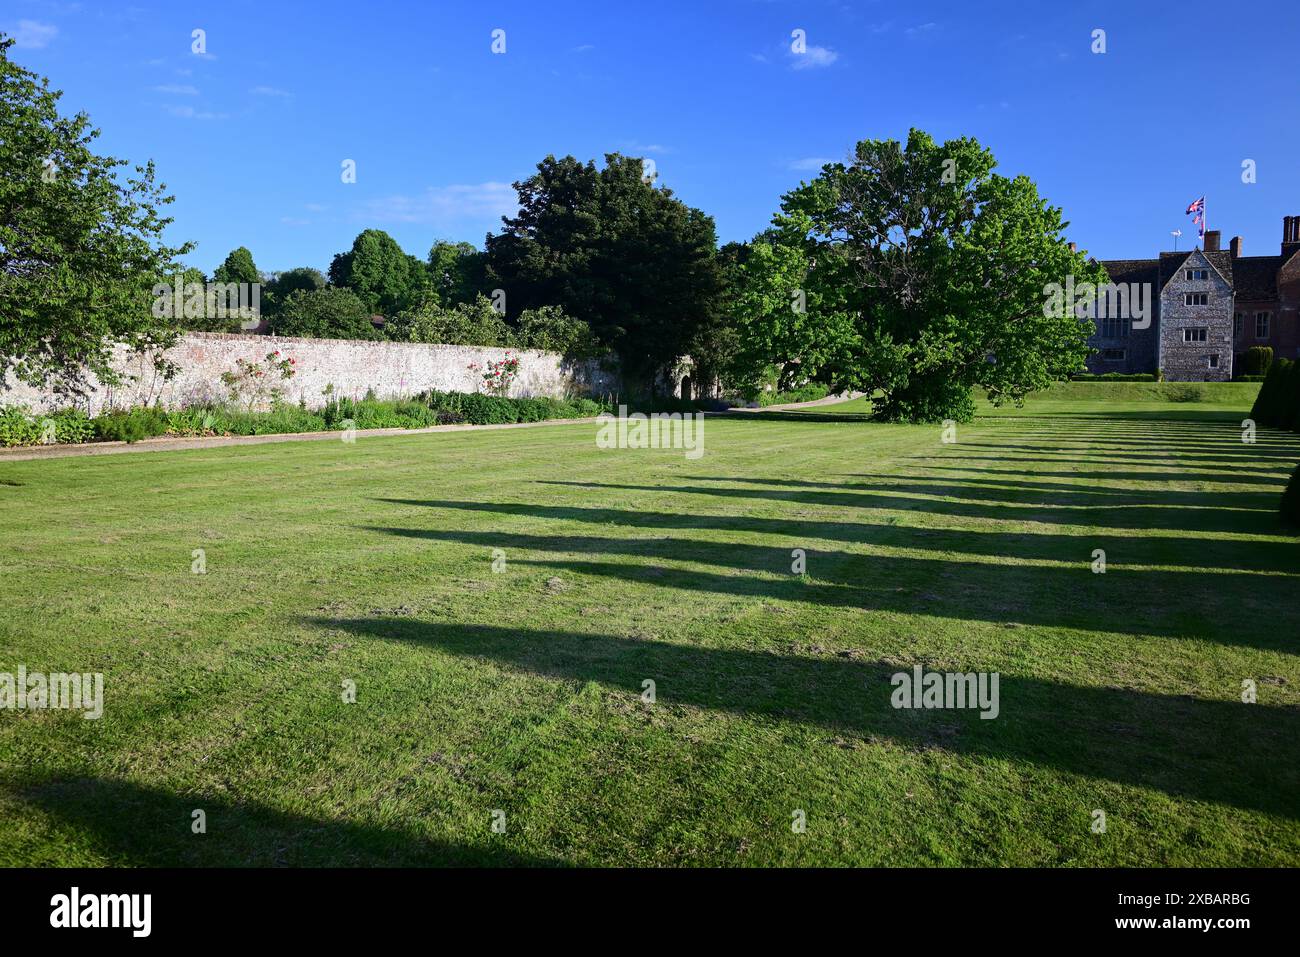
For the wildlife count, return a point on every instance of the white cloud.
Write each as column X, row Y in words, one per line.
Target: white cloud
column 809, row 163
column 33, row 35
column 923, row 28
column 177, row 89
column 584, row 48
column 314, row 207
column 814, row 57
column 633, row 148
column 190, row 113
column 441, row 204
column 269, row 91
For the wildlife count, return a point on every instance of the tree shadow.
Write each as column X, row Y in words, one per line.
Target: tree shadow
column 1236, row 477
column 137, row 825
column 1204, row 511
column 1221, row 751
column 1174, row 604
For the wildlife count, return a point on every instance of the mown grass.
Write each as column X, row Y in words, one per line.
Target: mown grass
column 521, row 691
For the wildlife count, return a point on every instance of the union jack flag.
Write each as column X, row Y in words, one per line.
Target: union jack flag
column 1197, row 206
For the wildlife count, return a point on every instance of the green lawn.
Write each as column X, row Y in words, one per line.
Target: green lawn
column 521, row 690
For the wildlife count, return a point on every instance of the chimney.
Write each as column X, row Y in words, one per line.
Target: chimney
column 1235, row 246
column 1288, row 228
column 1074, row 247
column 1212, row 240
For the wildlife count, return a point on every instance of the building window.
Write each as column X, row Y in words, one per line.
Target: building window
column 1195, row 274
column 1113, row 355
column 1238, row 323
column 1213, row 361
column 1199, row 334
column 1114, row 328
column 1261, row 325
column 1196, row 299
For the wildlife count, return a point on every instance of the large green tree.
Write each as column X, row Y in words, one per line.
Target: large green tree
column 81, row 242
column 611, row 248
column 456, row 272
column 237, row 267
column 384, row 277
column 917, row 271
column 281, row 285
column 331, row 313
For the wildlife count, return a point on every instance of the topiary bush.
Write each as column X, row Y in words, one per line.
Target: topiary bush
column 1267, row 408
column 130, row 425
column 1258, row 360
column 1291, row 499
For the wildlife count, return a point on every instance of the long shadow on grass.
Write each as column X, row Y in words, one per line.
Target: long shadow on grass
column 1059, row 493
column 1237, row 477
column 1250, row 512
column 1230, row 753
column 1185, row 605
column 149, row 827
column 1122, row 552
column 1280, row 468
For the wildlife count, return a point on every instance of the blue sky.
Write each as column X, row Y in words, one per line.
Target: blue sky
column 251, row 136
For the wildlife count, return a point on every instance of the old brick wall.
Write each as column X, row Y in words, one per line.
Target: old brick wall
column 391, row 369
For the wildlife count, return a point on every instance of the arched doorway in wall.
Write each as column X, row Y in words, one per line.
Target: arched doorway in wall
column 687, row 388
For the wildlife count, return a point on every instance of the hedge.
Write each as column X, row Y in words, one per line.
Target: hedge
column 1291, row 499
column 1275, row 397
column 1258, row 360
column 18, row 426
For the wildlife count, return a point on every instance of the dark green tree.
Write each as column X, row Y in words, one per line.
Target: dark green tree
column 237, row 267
column 917, row 271
column 331, row 313
column 627, row 257
column 280, row 286
column 456, row 272
column 81, row 242
column 386, row 279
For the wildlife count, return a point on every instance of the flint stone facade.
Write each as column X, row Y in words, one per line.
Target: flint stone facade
column 352, row 367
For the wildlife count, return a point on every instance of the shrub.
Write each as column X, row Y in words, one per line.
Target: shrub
column 1266, row 410
column 130, row 425
column 549, row 329
column 72, row 426
column 465, row 324
column 1257, row 361
column 331, row 313
column 1289, row 404
column 1291, row 499
column 18, row 426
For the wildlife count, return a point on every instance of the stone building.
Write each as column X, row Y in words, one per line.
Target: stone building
column 1208, row 307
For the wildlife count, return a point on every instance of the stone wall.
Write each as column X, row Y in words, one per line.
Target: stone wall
column 1186, row 361
column 390, row 369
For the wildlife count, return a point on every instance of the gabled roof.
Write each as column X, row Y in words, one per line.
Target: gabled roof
column 1220, row 261
column 1255, row 277
column 1132, row 270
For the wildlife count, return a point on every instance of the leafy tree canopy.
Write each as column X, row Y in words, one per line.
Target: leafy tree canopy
column 917, row 271
column 280, row 286
column 627, row 257
column 237, row 267
column 456, row 272
column 386, row 279
column 330, row 313
column 474, row 323
column 81, row 247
